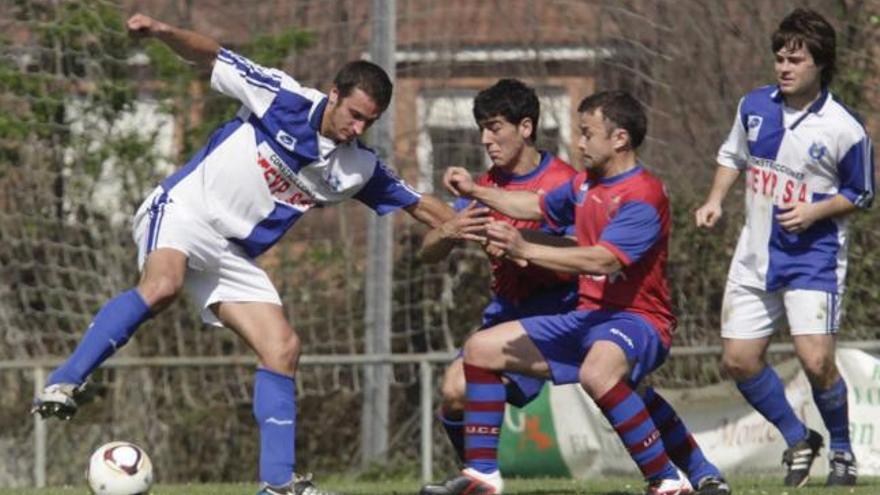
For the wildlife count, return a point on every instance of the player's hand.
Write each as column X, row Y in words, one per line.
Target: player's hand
column 459, row 181
column 507, row 239
column 708, row 215
column 496, row 252
column 798, row 218
column 142, row 26
column 468, row 224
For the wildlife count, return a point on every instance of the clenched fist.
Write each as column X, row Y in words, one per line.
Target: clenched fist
column 142, row 26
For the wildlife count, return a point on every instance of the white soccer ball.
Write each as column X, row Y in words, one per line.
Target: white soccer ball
column 120, row 468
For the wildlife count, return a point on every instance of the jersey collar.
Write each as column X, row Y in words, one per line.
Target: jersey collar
column 318, row 115
column 546, row 157
column 817, row 107
column 621, row 177
column 325, row 144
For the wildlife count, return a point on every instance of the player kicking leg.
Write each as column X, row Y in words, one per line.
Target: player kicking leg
column 190, row 232
column 178, row 249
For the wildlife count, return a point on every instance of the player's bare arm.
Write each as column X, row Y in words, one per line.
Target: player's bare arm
column 467, row 225
column 802, row 216
column 458, row 181
column 539, row 237
column 709, row 214
column 192, row 46
column 523, row 205
column 586, row 260
column 431, row 211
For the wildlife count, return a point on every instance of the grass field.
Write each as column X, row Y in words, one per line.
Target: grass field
column 604, row 486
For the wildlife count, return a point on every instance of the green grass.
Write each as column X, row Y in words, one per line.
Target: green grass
column 601, row 486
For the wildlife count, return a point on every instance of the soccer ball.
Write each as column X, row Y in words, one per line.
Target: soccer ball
column 120, row 468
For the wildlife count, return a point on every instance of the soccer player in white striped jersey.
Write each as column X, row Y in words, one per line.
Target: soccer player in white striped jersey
column 809, row 164
column 288, row 149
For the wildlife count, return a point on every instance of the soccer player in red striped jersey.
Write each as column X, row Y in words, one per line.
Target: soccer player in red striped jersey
column 507, row 114
column 623, row 326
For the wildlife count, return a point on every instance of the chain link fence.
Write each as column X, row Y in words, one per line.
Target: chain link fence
column 90, row 121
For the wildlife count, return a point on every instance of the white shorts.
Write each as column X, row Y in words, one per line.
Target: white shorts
column 217, row 269
column 752, row 313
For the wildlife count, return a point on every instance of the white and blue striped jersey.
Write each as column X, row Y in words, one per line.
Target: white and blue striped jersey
column 261, row 171
column 790, row 157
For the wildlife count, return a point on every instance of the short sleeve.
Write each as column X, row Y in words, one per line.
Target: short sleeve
column 734, row 152
column 632, row 232
column 856, row 173
column 253, row 85
column 384, row 192
column 461, row 203
column 558, row 205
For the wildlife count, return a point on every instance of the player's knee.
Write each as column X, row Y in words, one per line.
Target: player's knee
column 282, row 355
column 161, row 290
column 820, row 370
column 453, row 394
column 478, row 351
column 739, row 367
column 593, row 381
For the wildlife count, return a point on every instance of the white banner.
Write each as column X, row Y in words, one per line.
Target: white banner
column 732, row 434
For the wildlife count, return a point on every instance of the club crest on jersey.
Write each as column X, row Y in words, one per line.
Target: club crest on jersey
column 582, row 193
column 333, row 181
column 817, row 151
column 753, row 125
column 285, row 139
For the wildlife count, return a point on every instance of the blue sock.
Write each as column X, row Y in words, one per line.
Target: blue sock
column 833, row 407
column 114, row 324
column 766, row 394
column 275, row 411
column 678, row 441
column 454, row 431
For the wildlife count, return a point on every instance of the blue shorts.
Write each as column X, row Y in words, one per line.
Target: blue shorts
column 565, row 339
column 521, row 389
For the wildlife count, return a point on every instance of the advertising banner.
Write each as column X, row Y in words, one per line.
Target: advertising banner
column 563, row 433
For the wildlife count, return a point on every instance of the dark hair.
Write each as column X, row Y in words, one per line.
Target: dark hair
column 511, row 99
column 805, row 27
column 369, row 78
column 621, row 109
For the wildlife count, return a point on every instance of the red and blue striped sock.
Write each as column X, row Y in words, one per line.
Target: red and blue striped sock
column 678, row 441
column 628, row 416
column 483, row 416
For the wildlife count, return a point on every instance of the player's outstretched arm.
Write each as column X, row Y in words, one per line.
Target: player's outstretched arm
column 468, row 224
column 540, row 237
column 431, row 211
column 709, row 214
column 586, row 260
column 523, row 205
column 190, row 45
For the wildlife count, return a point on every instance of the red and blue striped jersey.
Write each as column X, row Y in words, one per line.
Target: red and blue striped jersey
column 509, row 280
column 627, row 214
